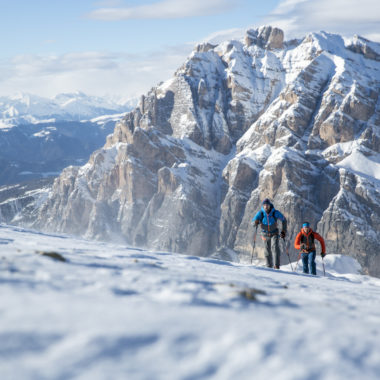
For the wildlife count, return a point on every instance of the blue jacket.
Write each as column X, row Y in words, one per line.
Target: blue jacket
column 269, row 221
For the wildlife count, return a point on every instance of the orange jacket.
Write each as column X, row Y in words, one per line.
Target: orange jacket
column 308, row 239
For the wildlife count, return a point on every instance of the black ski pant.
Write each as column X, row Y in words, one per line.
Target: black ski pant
column 268, row 244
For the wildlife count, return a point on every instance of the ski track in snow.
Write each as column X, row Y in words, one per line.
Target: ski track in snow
column 114, row 312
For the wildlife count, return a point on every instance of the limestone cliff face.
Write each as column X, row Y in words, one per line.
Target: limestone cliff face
column 298, row 122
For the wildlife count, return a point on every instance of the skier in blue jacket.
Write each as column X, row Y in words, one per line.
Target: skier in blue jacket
column 267, row 217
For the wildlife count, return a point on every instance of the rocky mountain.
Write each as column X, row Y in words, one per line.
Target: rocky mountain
column 296, row 121
column 19, row 203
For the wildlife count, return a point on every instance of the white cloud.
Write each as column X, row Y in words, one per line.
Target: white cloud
column 95, row 73
column 164, row 9
column 346, row 17
column 131, row 75
column 225, row 35
column 109, row 3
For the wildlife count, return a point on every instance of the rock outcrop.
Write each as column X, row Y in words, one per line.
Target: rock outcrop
column 239, row 122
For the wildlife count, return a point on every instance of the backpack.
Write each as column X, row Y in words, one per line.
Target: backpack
column 308, row 239
column 271, row 214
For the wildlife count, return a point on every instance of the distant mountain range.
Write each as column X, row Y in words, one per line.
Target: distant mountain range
column 40, row 136
column 31, row 109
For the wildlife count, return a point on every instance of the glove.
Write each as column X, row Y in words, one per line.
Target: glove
column 283, row 234
column 256, row 223
column 323, row 254
column 303, row 247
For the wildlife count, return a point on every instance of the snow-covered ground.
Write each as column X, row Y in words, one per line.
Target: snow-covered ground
column 114, row 312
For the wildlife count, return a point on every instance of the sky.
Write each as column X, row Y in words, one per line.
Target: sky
column 122, row 48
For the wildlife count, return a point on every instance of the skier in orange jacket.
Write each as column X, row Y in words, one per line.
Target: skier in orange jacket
column 305, row 240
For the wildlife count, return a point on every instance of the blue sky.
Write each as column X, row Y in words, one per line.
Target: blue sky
column 124, row 47
column 53, row 26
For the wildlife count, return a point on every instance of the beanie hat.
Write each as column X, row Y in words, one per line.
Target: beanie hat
column 266, row 201
column 306, row 224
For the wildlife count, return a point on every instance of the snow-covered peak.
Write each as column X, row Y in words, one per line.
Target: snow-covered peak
column 363, row 46
column 24, row 108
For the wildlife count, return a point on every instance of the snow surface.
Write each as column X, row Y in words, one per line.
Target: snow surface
column 362, row 165
column 115, row 312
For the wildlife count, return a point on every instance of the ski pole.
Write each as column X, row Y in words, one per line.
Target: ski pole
column 323, row 265
column 287, row 253
column 254, row 244
column 298, row 261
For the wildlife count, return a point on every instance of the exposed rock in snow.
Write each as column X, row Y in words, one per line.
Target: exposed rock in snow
column 265, row 37
column 363, row 46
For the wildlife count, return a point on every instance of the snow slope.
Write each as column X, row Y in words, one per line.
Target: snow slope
column 114, row 312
